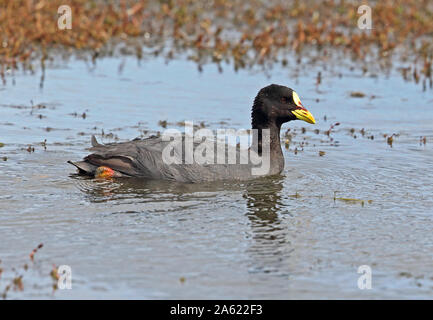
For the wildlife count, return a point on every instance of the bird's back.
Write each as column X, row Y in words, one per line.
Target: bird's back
column 146, row 158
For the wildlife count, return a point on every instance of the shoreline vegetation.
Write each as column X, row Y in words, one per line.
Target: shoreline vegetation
column 240, row 33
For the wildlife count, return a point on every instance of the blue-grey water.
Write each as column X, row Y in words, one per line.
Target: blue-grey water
column 288, row 237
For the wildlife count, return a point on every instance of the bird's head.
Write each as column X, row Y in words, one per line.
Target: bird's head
column 278, row 104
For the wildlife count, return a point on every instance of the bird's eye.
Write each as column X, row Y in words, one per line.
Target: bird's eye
column 285, row 100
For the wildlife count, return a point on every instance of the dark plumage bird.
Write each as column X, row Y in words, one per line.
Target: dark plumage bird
column 273, row 106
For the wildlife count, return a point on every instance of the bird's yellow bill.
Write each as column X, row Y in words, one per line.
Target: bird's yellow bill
column 305, row 115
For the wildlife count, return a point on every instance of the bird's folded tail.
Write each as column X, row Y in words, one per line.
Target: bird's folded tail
column 89, row 169
column 99, row 166
column 95, row 142
column 84, row 167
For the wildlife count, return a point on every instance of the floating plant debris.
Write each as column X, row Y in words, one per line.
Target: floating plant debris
column 162, row 123
column 328, row 132
column 351, row 200
column 390, row 138
column 32, row 254
column 357, row 94
column 423, row 140
column 16, row 282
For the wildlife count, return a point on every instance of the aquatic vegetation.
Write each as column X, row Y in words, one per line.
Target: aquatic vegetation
column 351, row 200
column 328, row 132
column 242, row 33
column 54, row 276
column 423, row 140
column 16, row 282
column 162, row 123
column 357, row 94
column 32, row 254
column 390, row 138
column 254, row 225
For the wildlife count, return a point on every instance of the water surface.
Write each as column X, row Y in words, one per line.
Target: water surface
column 286, row 237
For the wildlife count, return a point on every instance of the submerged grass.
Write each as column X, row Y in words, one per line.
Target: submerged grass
column 15, row 283
column 243, row 33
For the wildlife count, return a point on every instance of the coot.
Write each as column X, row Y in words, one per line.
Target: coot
column 146, row 158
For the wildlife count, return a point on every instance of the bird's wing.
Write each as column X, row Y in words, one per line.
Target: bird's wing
column 128, row 158
column 144, row 158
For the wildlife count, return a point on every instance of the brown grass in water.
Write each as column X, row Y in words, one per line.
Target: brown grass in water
column 244, row 33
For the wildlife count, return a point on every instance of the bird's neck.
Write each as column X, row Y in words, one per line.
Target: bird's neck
column 273, row 151
column 274, row 135
column 260, row 122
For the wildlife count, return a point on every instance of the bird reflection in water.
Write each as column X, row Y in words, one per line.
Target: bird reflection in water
column 270, row 246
